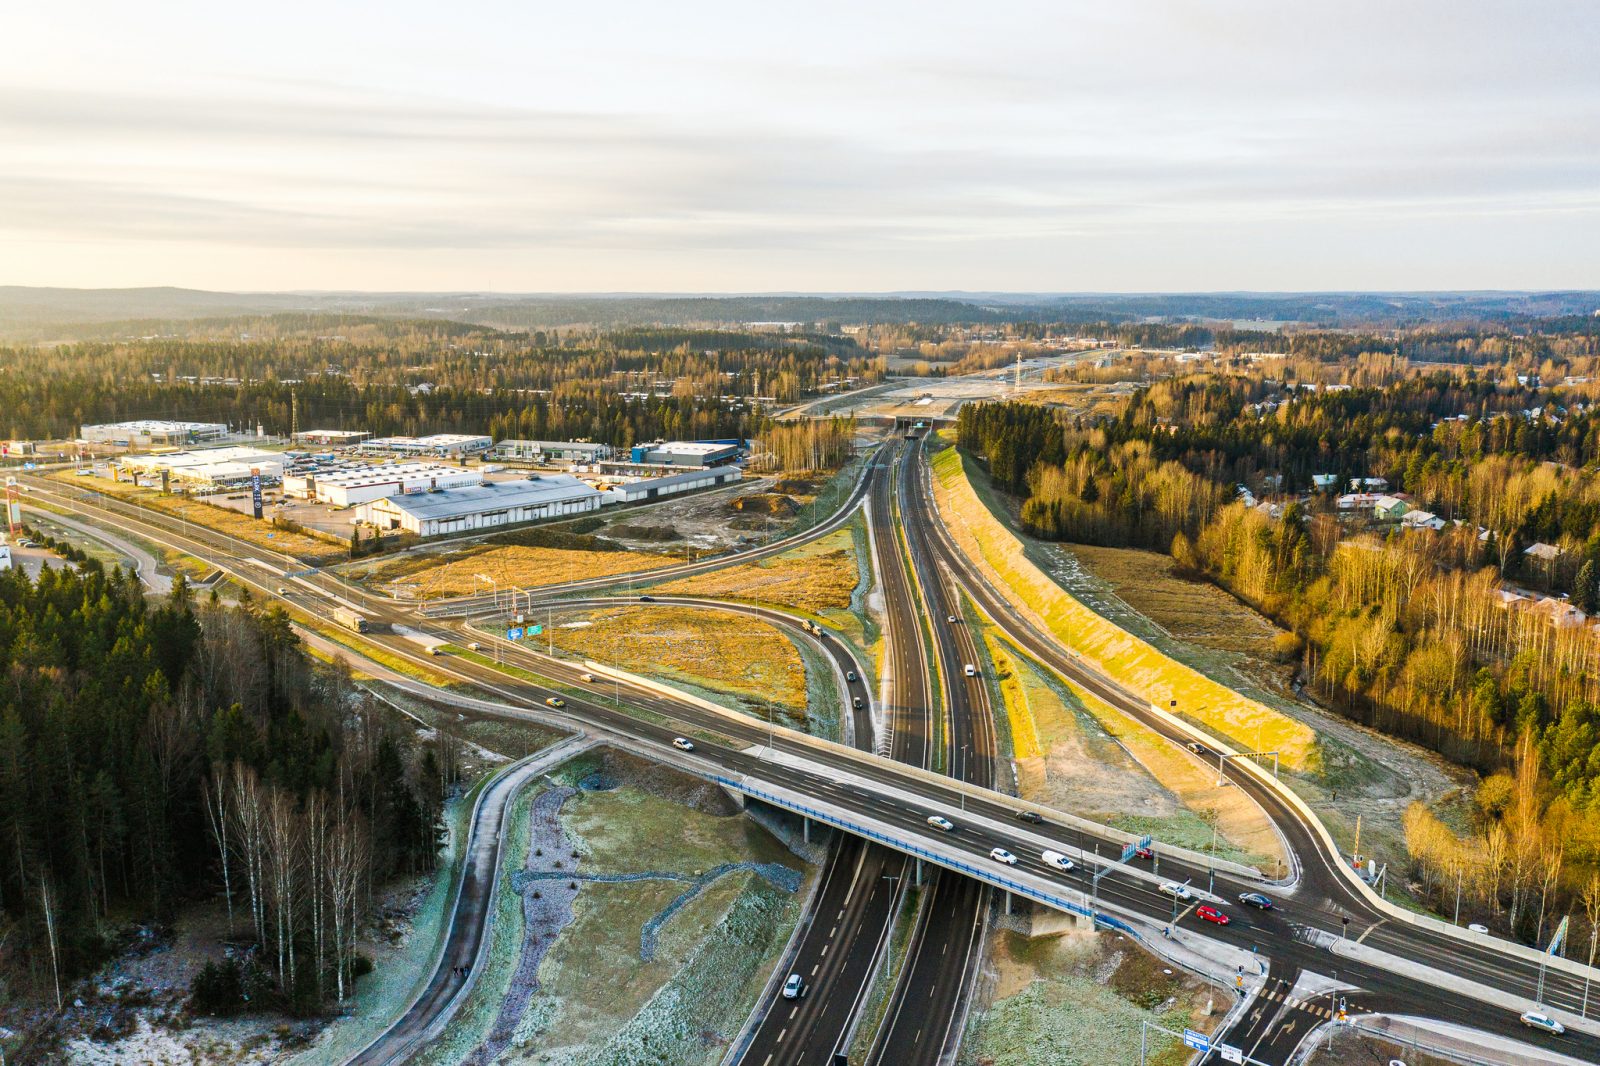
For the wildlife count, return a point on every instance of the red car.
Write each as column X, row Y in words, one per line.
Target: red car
column 1211, row 914
column 1144, row 853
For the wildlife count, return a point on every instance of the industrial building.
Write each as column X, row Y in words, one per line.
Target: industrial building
column 363, row 484
column 546, row 451
column 498, row 503
column 331, row 438
column 439, row 444
column 653, row 488
column 153, row 433
column 215, row 466
column 686, row 452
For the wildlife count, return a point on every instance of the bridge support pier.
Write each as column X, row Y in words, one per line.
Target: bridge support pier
column 805, row 829
column 919, row 873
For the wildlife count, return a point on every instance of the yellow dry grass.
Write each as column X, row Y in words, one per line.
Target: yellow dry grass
column 1018, row 698
column 234, row 523
column 514, row 566
column 734, row 654
column 816, row 577
column 1130, row 661
column 1239, row 819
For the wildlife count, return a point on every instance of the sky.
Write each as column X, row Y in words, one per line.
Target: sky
column 869, row 146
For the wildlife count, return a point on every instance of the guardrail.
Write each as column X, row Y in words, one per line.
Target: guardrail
column 916, row 773
column 916, row 851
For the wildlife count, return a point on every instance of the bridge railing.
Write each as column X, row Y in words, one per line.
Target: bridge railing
column 907, row 847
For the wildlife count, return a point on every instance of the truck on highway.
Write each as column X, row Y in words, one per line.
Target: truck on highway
column 351, row 619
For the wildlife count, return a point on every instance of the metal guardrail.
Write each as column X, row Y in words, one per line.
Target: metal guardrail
column 980, row 873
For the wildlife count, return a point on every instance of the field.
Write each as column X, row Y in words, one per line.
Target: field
column 1133, row 662
column 261, row 534
column 1075, row 752
column 815, row 578
column 727, row 653
column 427, row 577
column 671, row 918
column 1079, row 999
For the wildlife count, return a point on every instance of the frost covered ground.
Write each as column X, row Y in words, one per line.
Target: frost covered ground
column 1080, row 1000
column 651, row 940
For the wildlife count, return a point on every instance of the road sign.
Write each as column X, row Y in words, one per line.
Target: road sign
column 1561, row 934
column 534, row 631
column 1198, row 1041
column 1230, row 1053
column 515, row 633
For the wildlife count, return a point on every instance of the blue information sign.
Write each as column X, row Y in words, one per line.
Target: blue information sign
column 514, row 633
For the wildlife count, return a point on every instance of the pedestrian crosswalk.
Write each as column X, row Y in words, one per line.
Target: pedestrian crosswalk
column 1324, row 1010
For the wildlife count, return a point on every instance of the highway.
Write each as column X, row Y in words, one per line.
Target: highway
column 849, row 927
column 923, row 1023
column 1297, row 936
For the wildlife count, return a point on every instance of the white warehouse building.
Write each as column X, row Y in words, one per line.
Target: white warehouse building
column 439, row 444
column 498, row 503
column 210, row 467
column 656, row 487
column 363, row 484
column 153, row 433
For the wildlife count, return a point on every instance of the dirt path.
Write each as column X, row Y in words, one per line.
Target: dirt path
column 546, row 910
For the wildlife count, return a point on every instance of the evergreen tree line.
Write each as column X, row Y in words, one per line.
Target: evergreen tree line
column 600, row 386
column 155, row 755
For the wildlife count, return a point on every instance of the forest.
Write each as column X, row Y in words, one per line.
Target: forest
column 153, row 755
column 415, row 377
column 1405, row 631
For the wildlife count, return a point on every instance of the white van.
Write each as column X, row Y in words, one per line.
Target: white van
column 1056, row 859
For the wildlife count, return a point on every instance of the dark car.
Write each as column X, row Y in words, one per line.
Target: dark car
column 647, row 599
column 1255, row 899
column 1196, row 747
column 1031, row 817
column 850, row 676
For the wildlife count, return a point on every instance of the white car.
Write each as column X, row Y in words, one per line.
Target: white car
column 950, row 618
column 1176, row 891
column 970, row 670
column 794, row 987
column 1475, row 927
column 1541, row 1021
column 1056, row 859
column 944, row 825
column 1002, row 855
column 683, row 743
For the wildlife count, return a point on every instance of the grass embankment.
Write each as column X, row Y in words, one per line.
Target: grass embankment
column 308, row 544
column 597, row 1000
column 714, row 650
column 1132, row 662
column 424, row 576
column 1083, row 997
column 819, row 579
column 1053, row 756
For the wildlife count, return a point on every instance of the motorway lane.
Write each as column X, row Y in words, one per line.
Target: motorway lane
column 846, row 955
column 1327, row 896
column 922, row 1025
column 1500, row 969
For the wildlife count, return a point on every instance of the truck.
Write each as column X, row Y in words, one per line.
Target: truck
column 351, row 619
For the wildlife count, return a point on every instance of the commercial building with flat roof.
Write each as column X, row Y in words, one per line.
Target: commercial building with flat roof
column 440, row 444
column 686, row 452
column 331, row 438
column 497, row 503
column 362, row 484
column 654, row 488
column 544, row 451
column 214, row 466
column 153, row 433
